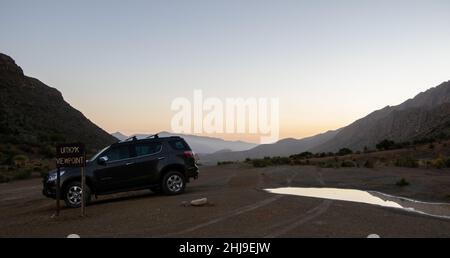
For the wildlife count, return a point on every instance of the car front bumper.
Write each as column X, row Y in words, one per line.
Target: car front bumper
column 49, row 188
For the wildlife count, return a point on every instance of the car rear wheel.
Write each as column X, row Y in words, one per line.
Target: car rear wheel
column 74, row 193
column 173, row 183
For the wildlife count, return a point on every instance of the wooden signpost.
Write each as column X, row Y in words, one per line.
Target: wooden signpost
column 70, row 155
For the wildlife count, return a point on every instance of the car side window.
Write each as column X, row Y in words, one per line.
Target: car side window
column 118, row 153
column 178, row 145
column 143, row 149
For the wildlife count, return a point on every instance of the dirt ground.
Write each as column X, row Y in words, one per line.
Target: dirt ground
column 239, row 207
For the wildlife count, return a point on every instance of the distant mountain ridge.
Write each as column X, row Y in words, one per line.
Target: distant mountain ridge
column 425, row 115
column 201, row 144
column 284, row 147
column 35, row 114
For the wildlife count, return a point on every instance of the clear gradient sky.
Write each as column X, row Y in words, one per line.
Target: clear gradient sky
column 330, row 62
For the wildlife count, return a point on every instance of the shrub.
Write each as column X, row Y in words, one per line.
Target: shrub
column 22, row 174
column 438, row 163
column 221, row 163
column 274, row 161
column 407, row 162
column 322, row 155
column 331, row 165
column 386, row 145
column 344, row 151
column 37, row 168
column 280, row 161
column 260, row 163
column 348, row 164
column 303, row 155
column 20, row 160
column 298, row 162
column 402, row 182
column 369, row 164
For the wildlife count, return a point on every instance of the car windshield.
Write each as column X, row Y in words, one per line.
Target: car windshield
column 98, row 154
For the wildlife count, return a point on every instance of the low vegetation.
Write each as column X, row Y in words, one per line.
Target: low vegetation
column 347, row 158
column 271, row 161
column 21, row 161
column 221, row 163
column 402, row 183
column 407, row 162
column 348, row 164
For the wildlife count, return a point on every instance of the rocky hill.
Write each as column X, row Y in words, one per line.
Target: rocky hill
column 425, row 116
column 34, row 114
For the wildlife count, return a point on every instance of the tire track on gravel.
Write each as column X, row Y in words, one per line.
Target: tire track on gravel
column 234, row 213
column 288, row 225
column 238, row 211
column 298, row 221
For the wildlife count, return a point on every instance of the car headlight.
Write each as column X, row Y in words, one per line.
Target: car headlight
column 52, row 177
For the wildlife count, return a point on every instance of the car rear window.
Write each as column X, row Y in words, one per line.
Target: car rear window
column 179, row 145
column 143, row 149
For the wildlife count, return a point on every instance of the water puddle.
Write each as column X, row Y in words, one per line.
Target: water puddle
column 439, row 210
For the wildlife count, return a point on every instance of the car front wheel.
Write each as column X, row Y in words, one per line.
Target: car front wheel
column 74, row 193
column 173, row 183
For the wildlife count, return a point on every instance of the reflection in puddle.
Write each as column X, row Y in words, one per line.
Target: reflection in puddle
column 440, row 210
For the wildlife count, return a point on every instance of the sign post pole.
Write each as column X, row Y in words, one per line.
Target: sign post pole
column 83, row 188
column 67, row 156
column 58, row 190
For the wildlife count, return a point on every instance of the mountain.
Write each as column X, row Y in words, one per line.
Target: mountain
column 119, row 136
column 201, row 144
column 34, row 114
column 283, row 147
column 426, row 115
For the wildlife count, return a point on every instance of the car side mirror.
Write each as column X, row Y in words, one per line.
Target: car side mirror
column 103, row 160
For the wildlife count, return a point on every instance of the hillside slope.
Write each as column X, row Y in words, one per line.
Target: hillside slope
column 283, row 147
column 32, row 113
column 426, row 115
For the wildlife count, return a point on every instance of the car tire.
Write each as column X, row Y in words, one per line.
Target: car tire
column 72, row 195
column 173, row 183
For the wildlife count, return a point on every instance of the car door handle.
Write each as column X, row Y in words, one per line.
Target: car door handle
column 161, row 158
column 129, row 163
column 106, row 178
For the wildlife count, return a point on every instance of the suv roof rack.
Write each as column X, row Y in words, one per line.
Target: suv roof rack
column 132, row 138
column 154, row 136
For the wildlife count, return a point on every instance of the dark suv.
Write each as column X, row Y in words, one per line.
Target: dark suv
column 160, row 164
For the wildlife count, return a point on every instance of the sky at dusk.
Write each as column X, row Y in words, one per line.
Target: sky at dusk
column 122, row 63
